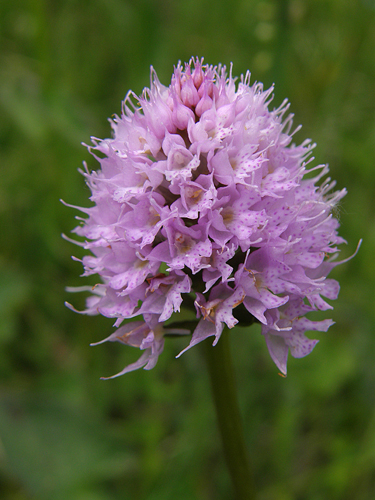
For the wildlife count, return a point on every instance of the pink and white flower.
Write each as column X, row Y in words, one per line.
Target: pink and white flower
column 202, row 195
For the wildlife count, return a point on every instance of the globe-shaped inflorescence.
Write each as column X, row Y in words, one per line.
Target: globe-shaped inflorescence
column 202, row 200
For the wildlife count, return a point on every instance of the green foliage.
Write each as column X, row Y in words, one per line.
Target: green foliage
column 64, row 434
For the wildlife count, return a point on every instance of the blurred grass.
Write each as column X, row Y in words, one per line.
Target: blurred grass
column 65, row 66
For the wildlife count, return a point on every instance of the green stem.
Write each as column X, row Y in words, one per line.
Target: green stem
column 223, row 385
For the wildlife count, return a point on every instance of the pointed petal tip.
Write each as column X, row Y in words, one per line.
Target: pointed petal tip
column 182, row 352
column 216, row 340
column 97, row 343
column 72, row 308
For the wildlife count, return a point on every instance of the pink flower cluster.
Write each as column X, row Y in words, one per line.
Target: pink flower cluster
column 201, row 194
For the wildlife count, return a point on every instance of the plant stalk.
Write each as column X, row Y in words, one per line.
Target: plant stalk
column 223, row 384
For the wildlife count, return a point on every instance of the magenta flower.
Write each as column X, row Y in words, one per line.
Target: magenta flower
column 201, row 194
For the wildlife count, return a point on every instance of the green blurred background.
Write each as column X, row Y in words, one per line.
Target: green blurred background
column 65, row 67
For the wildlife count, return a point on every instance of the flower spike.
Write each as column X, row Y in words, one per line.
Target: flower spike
column 202, row 198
